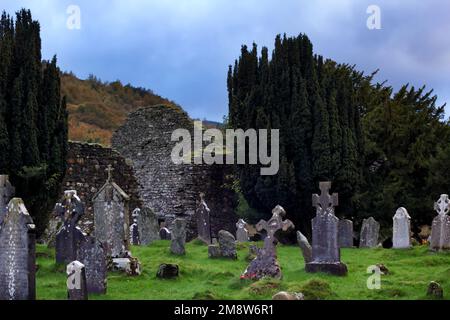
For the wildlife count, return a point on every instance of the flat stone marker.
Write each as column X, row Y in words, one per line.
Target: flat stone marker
column 401, row 230
column 242, row 232
column 345, row 233
column 440, row 230
column 76, row 281
column 148, row 227
column 370, row 233
column 111, row 217
column 203, row 218
column 17, row 253
column 92, row 255
column 326, row 255
column 265, row 264
column 69, row 236
column 305, row 247
column 178, row 237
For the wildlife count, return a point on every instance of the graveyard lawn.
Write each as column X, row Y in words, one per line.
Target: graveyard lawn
column 201, row 278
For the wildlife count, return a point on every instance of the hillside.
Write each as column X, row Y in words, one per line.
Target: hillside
column 98, row 108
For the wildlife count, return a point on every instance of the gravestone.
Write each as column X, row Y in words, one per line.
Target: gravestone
column 265, row 264
column 226, row 247
column 242, row 232
column 345, row 233
column 76, row 281
column 203, row 218
column 134, row 232
column 92, row 255
column 165, row 234
column 6, row 193
column 401, row 230
column 440, row 230
column 326, row 255
column 178, row 237
column 17, row 253
column 168, row 271
column 305, row 247
column 69, row 237
column 111, row 217
column 370, row 232
column 148, row 227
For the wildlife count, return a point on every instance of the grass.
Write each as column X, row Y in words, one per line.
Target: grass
column 201, row 278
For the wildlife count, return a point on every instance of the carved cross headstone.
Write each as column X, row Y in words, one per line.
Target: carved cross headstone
column 440, row 231
column 148, row 226
column 242, row 232
column 69, row 236
column 92, row 255
column 17, row 253
column 266, row 264
column 203, row 221
column 76, row 281
column 326, row 255
column 401, row 230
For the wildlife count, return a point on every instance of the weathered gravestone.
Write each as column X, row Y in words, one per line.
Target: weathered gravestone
column 370, row 232
column 76, row 281
column 326, row 255
column 226, row 247
column 401, row 230
column 178, row 237
column 203, row 221
column 345, row 233
column 17, row 253
column 92, row 255
column 440, row 231
column 6, row 193
column 135, row 238
column 111, row 217
column 168, row 271
column 148, row 227
column 305, row 247
column 69, row 236
column 265, row 264
column 242, row 232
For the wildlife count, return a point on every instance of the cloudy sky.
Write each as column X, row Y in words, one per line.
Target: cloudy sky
column 181, row 49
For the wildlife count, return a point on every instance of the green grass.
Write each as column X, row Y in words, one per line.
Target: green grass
column 203, row 278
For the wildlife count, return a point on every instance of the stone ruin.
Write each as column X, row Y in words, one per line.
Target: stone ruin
column 171, row 190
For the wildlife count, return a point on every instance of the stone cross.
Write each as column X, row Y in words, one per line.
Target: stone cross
column 401, row 238
column 203, row 221
column 17, row 253
column 440, row 230
column 109, row 170
column 326, row 256
column 76, row 281
column 69, row 236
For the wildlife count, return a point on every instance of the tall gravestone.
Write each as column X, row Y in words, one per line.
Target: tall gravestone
column 370, row 233
column 178, row 237
column 326, row 256
column 401, row 238
column 265, row 264
column 70, row 236
column 92, row 255
column 17, row 253
column 135, row 238
column 345, row 233
column 6, row 193
column 76, row 281
column 440, row 231
column 111, row 217
column 242, row 232
column 148, row 226
column 203, row 218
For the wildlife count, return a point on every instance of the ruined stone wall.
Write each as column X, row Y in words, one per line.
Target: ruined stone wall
column 172, row 190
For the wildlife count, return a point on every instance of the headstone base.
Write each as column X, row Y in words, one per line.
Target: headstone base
column 336, row 269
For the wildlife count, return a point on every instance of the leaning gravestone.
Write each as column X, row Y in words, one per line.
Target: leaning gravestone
column 203, row 218
column 178, row 237
column 326, row 255
column 17, row 253
column 440, row 231
column 305, row 247
column 148, row 227
column 69, row 237
column 265, row 264
column 370, row 232
column 76, row 281
column 345, row 233
column 111, row 217
column 92, row 255
column 401, row 230
column 242, row 232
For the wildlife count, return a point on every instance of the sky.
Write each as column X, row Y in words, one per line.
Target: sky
column 181, row 49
